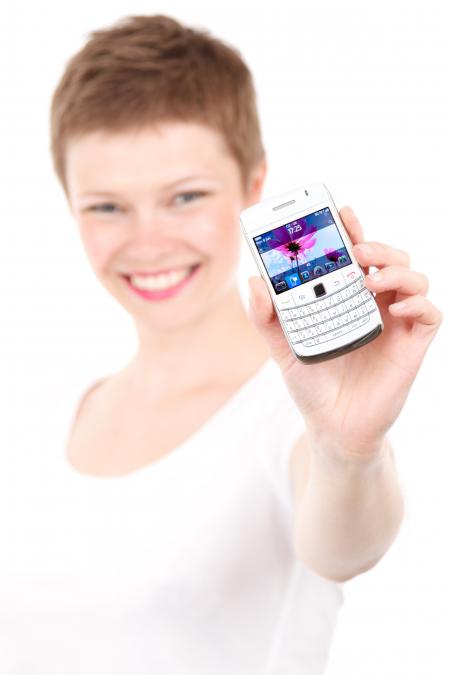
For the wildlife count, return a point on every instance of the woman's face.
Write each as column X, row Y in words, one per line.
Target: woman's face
column 158, row 212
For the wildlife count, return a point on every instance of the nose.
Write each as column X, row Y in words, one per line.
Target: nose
column 149, row 227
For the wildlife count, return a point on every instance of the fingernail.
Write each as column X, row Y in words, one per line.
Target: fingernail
column 400, row 306
column 376, row 276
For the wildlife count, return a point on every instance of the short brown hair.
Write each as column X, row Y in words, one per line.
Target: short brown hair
column 150, row 69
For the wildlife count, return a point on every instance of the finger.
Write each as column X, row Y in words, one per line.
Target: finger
column 418, row 308
column 376, row 254
column 353, row 227
column 397, row 278
column 264, row 317
column 352, row 224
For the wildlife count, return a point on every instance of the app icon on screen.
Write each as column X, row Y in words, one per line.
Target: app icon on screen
column 292, row 280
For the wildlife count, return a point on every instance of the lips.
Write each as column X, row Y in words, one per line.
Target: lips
column 162, row 285
column 160, row 281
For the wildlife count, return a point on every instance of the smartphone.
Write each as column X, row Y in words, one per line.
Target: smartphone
column 304, row 255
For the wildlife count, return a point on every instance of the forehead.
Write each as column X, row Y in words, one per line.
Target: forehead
column 155, row 154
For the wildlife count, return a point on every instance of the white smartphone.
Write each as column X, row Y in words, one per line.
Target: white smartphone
column 304, row 255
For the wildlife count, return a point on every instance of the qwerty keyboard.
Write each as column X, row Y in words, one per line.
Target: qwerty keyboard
column 330, row 317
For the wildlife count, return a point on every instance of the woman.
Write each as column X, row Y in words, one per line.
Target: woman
column 215, row 492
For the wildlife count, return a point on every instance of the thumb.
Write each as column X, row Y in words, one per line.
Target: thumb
column 263, row 316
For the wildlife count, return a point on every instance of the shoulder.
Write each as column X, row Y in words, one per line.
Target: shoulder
column 85, row 402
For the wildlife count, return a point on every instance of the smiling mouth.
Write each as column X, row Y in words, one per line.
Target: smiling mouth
column 161, row 284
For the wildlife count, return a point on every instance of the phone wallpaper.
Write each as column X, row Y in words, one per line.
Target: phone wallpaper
column 302, row 250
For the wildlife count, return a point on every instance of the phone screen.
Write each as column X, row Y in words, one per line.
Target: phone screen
column 302, row 250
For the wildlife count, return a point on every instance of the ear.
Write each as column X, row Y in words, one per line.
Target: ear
column 256, row 183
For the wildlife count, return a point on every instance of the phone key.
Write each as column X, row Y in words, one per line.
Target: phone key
column 294, row 313
column 308, row 343
column 309, row 309
column 318, row 340
column 298, row 293
column 345, row 318
column 354, row 289
column 284, row 301
column 362, row 310
column 360, row 283
column 304, row 334
column 354, row 314
column 370, row 305
column 338, row 322
column 320, row 305
column 320, row 328
column 315, row 318
column 345, row 293
column 351, row 326
column 342, row 308
column 337, row 297
column 313, row 331
column 325, row 337
column 349, row 304
column 290, row 326
column 366, row 294
column 294, row 337
column 299, row 324
column 325, row 315
column 329, row 325
column 333, row 311
column 357, row 299
column 329, row 302
column 364, row 319
column 340, row 331
column 307, row 321
column 285, row 314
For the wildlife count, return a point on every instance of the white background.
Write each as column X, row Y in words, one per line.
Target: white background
column 352, row 93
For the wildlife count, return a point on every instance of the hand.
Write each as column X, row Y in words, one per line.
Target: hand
column 351, row 401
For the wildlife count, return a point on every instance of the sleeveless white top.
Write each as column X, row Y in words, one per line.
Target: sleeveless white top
column 185, row 566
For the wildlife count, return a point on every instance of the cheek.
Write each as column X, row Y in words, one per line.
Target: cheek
column 218, row 235
column 99, row 243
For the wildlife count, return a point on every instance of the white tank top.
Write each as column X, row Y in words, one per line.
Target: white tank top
column 183, row 567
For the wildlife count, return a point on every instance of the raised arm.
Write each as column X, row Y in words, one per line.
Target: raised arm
column 347, row 512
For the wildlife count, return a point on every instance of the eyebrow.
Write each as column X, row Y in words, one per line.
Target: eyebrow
column 164, row 187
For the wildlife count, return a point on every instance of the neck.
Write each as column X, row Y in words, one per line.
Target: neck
column 222, row 346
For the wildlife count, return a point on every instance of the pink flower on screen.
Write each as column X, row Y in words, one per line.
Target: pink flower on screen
column 298, row 246
column 331, row 254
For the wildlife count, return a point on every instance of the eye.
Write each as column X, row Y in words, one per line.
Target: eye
column 190, row 195
column 102, row 208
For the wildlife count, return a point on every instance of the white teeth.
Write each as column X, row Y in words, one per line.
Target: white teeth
column 159, row 282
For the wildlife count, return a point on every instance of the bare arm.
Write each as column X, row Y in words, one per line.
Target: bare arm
column 347, row 512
